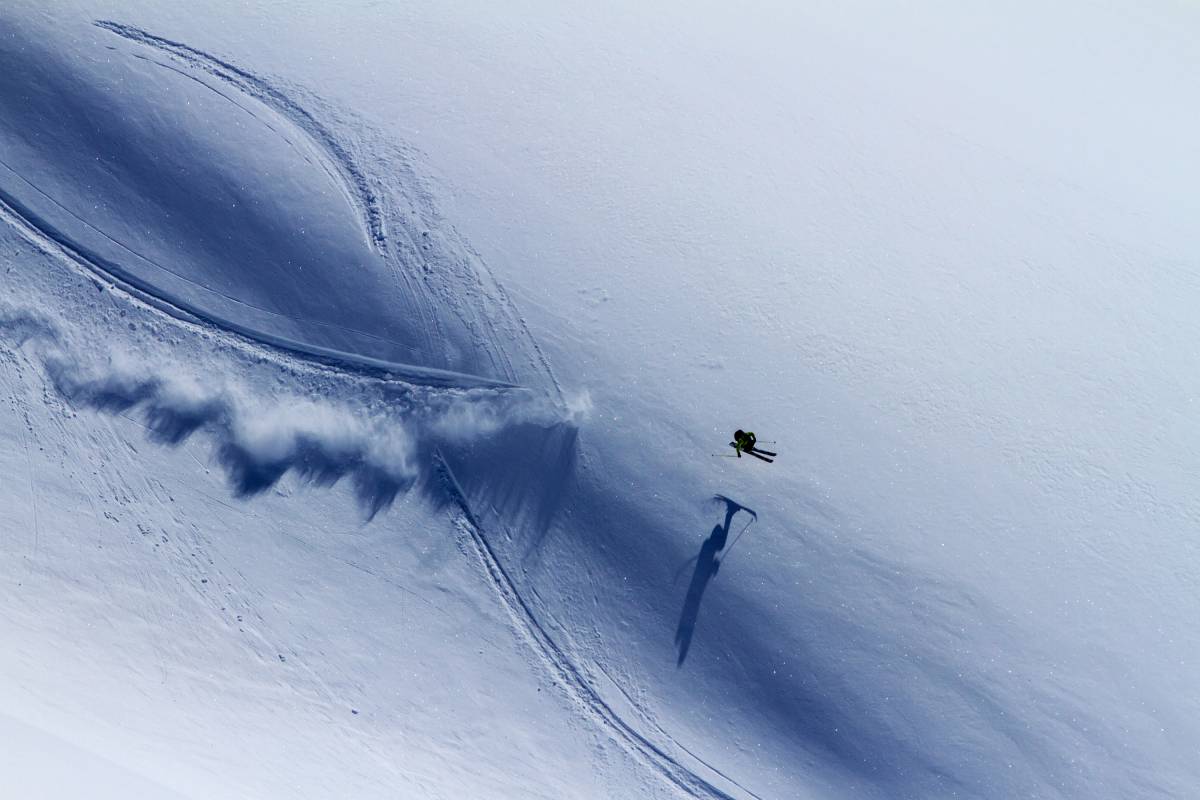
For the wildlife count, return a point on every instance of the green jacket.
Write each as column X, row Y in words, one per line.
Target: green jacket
column 744, row 442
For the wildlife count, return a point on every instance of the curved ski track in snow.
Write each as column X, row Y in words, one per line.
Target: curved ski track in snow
column 367, row 206
column 556, row 662
column 354, row 182
column 564, row 671
column 47, row 239
column 365, row 202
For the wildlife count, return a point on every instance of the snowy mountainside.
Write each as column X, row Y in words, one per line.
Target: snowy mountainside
column 337, row 467
column 218, row 194
column 186, row 630
column 133, row 369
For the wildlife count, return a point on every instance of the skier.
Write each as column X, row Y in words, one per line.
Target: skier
column 743, row 440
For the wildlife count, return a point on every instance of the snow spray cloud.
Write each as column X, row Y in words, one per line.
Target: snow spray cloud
column 258, row 440
column 321, row 444
column 481, row 413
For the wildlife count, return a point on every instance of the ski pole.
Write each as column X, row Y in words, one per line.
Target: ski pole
column 729, row 549
column 724, row 455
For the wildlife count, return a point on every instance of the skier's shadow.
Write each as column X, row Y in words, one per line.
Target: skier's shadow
column 707, row 565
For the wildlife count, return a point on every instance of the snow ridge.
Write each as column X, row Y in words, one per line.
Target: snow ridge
column 46, row 238
column 358, row 189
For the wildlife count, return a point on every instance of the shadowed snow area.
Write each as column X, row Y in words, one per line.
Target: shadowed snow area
column 302, row 496
column 380, row 442
column 207, row 188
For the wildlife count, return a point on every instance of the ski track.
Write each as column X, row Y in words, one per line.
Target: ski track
column 564, row 672
column 522, row 325
column 368, row 209
column 648, row 721
column 354, row 182
column 49, row 241
column 335, row 160
column 558, row 665
column 367, row 205
column 223, row 592
column 111, row 268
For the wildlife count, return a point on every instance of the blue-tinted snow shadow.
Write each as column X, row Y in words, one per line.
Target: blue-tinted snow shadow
column 517, row 474
column 172, row 411
column 841, row 653
column 707, row 564
column 518, row 477
column 834, row 679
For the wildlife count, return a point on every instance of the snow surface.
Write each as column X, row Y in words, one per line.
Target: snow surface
column 363, row 368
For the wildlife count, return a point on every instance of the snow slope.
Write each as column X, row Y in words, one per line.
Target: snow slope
column 308, row 497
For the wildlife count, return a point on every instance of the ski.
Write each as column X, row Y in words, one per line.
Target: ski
column 756, row 453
